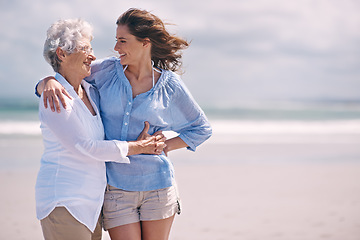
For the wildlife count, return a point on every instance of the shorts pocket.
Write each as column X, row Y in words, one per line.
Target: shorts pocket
column 112, row 201
column 167, row 195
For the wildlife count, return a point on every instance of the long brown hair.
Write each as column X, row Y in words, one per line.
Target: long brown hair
column 165, row 50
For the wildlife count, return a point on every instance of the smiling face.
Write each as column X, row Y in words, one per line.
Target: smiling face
column 131, row 50
column 77, row 64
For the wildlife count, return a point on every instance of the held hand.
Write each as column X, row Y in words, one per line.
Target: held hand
column 160, row 144
column 53, row 92
column 151, row 144
column 144, row 133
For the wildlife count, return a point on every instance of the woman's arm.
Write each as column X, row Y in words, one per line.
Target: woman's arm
column 173, row 144
column 53, row 92
column 70, row 132
column 188, row 120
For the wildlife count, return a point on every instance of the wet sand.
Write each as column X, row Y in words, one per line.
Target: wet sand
column 250, row 191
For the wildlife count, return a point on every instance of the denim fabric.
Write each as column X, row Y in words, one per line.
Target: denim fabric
column 168, row 106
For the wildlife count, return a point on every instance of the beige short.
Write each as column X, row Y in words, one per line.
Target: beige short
column 61, row 225
column 124, row 207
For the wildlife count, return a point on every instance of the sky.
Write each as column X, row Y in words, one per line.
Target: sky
column 242, row 51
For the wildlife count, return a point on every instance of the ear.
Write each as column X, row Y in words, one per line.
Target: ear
column 146, row 42
column 60, row 53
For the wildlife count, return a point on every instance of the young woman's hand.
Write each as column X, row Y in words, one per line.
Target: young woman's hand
column 148, row 144
column 53, row 93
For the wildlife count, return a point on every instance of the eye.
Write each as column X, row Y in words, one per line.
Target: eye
column 120, row 40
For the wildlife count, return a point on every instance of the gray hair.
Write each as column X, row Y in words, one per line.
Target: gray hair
column 65, row 34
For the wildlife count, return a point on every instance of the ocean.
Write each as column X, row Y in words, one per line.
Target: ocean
column 263, row 133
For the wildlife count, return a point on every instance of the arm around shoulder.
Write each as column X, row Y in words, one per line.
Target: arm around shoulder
column 53, row 93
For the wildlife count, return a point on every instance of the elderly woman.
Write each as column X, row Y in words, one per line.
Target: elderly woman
column 72, row 178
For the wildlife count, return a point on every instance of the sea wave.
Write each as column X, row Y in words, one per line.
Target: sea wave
column 286, row 127
column 229, row 127
column 20, row 128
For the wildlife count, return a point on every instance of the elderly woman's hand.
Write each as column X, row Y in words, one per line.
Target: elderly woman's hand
column 148, row 144
column 54, row 93
column 160, row 144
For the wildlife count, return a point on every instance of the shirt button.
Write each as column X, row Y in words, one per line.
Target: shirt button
column 126, row 124
column 127, row 113
column 129, row 103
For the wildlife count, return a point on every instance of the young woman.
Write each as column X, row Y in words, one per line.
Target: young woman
column 141, row 198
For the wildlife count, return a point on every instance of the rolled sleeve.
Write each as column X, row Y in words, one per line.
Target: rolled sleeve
column 189, row 120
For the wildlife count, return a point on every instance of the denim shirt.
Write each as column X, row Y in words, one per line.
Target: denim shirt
column 168, row 106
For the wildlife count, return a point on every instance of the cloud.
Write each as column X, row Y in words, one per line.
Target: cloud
column 241, row 50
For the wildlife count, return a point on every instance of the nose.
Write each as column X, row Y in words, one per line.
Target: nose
column 116, row 47
column 92, row 56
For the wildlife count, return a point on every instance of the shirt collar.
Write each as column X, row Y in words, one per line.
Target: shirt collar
column 69, row 88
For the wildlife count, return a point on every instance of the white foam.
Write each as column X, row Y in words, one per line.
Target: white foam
column 286, row 127
column 20, row 127
column 229, row 127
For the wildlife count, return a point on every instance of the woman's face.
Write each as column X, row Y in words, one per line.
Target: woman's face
column 78, row 63
column 130, row 49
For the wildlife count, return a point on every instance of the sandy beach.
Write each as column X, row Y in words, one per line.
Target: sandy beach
column 287, row 190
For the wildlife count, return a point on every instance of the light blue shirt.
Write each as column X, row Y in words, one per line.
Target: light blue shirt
column 168, row 106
